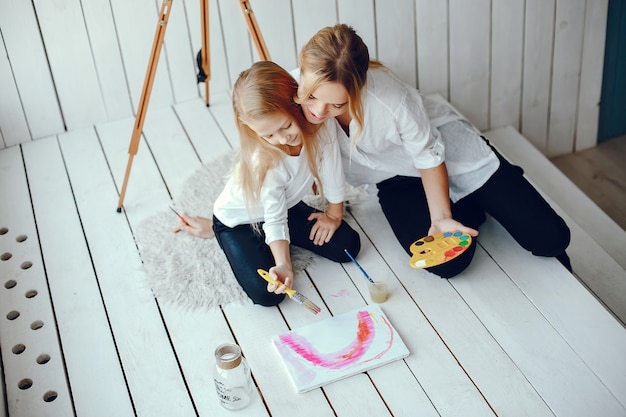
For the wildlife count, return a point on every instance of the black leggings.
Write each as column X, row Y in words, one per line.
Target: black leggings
column 247, row 251
column 507, row 196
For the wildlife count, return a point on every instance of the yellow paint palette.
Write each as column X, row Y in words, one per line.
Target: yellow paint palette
column 438, row 248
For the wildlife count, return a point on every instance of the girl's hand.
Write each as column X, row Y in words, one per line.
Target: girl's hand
column 448, row 225
column 283, row 275
column 324, row 227
column 195, row 225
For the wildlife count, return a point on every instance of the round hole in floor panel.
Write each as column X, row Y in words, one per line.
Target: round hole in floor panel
column 6, row 256
column 25, row 383
column 50, row 396
column 36, row 325
column 43, row 359
column 21, row 238
column 18, row 349
column 31, row 294
column 10, row 284
column 26, row 265
column 3, row 230
column 12, row 315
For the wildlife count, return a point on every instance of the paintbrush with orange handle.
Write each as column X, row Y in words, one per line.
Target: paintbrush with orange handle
column 182, row 219
column 293, row 294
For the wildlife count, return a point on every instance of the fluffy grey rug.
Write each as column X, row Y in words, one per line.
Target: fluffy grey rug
column 188, row 271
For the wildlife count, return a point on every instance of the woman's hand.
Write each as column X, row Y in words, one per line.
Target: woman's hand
column 435, row 181
column 449, row 225
column 324, row 227
column 195, row 225
column 283, row 275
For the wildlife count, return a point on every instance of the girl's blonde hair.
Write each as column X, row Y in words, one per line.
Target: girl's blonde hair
column 338, row 54
column 265, row 90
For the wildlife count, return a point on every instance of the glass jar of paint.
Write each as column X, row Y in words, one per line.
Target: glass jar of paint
column 233, row 381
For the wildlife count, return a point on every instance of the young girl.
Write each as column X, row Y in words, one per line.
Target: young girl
column 434, row 172
column 282, row 158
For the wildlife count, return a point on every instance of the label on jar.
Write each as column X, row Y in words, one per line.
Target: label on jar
column 231, row 398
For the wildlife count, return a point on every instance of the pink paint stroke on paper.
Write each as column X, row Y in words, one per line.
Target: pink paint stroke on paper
column 351, row 354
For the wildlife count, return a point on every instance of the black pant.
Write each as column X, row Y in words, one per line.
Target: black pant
column 247, row 251
column 507, row 196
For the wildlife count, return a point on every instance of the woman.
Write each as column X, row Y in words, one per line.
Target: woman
column 260, row 211
column 433, row 170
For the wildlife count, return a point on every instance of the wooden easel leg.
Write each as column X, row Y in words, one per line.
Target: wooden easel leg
column 205, row 56
column 205, row 51
column 159, row 35
column 255, row 32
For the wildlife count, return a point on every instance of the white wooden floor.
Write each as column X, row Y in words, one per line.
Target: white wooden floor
column 81, row 334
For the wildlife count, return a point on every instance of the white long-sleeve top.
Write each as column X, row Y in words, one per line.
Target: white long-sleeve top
column 284, row 186
column 404, row 133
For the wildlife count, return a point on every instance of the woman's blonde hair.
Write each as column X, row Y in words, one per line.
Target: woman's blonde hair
column 338, row 54
column 265, row 90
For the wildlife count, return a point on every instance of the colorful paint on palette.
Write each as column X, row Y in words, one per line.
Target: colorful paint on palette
column 338, row 347
column 439, row 248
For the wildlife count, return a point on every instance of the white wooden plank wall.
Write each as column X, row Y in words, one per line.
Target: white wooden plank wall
column 568, row 36
column 532, row 64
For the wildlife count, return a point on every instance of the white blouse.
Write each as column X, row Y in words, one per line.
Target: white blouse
column 404, row 133
column 285, row 186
